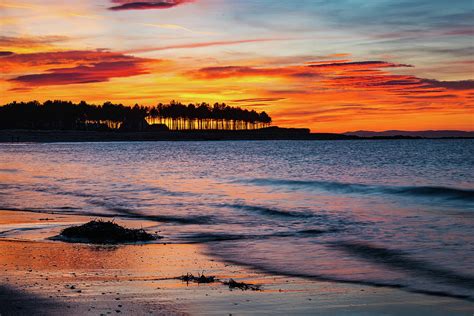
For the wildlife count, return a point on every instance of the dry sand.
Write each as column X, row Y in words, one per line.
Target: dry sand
column 42, row 277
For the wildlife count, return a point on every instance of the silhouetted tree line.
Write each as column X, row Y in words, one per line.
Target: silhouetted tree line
column 178, row 116
column 65, row 115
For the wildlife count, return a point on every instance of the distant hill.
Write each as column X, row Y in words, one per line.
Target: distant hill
column 424, row 134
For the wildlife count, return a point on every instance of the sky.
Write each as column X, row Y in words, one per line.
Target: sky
column 332, row 66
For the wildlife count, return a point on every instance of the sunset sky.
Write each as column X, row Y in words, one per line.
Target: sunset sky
column 333, row 66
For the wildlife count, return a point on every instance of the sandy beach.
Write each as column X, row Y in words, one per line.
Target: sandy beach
column 43, row 277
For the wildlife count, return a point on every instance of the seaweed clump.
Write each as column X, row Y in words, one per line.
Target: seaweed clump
column 232, row 284
column 105, row 232
column 241, row 285
column 199, row 279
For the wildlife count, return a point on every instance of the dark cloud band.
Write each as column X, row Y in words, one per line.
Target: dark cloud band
column 146, row 5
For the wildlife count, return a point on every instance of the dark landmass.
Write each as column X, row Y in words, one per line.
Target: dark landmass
column 270, row 133
column 65, row 121
column 414, row 134
column 66, row 115
column 102, row 232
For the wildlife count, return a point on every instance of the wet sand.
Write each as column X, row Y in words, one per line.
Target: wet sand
column 43, row 277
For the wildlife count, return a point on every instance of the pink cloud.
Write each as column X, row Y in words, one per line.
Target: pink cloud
column 98, row 72
column 74, row 67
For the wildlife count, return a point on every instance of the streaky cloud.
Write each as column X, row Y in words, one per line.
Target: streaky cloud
column 235, row 71
column 62, row 58
column 177, row 27
column 203, row 44
column 258, row 100
column 451, row 85
column 31, row 41
column 372, row 63
column 5, row 53
column 369, row 76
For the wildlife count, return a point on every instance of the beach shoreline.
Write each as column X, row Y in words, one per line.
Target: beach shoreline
column 54, row 278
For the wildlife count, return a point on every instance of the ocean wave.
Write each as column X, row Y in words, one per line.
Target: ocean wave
column 316, row 277
column 422, row 277
column 216, row 237
column 268, row 211
column 400, row 260
column 58, row 190
column 447, row 193
column 183, row 220
column 121, row 211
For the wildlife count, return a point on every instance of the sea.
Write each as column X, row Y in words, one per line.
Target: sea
column 391, row 213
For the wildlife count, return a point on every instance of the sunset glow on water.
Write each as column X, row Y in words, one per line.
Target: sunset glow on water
column 320, row 210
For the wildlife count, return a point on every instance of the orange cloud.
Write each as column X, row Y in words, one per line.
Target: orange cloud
column 8, row 41
column 18, row 6
column 337, row 74
column 235, row 71
column 316, row 94
column 259, row 100
column 332, row 95
column 31, row 43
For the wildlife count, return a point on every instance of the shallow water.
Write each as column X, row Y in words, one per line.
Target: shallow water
column 397, row 213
